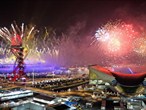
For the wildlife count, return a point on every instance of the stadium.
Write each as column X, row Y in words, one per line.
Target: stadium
column 124, row 79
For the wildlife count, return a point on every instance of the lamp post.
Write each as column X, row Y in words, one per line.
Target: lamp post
column 33, row 77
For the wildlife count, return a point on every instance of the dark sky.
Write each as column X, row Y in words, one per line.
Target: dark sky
column 60, row 14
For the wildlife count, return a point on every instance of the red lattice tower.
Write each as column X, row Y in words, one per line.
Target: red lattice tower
column 14, row 38
column 17, row 50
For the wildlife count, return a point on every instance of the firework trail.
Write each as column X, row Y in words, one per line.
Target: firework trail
column 116, row 43
column 37, row 45
column 11, row 35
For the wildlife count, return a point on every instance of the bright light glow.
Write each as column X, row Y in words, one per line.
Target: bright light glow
column 114, row 45
column 115, row 38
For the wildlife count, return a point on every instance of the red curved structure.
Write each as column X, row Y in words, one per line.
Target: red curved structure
column 17, row 50
column 124, row 79
column 129, row 79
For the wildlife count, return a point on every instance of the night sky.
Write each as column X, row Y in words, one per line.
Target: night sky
column 79, row 20
column 60, row 14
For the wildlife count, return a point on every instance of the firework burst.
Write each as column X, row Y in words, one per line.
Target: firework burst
column 116, row 37
column 38, row 45
column 15, row 35
column 139, row 46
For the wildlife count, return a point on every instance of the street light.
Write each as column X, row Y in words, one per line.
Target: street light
column 33, row 76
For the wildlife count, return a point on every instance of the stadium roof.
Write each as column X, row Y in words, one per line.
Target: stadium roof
column 131, row 79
